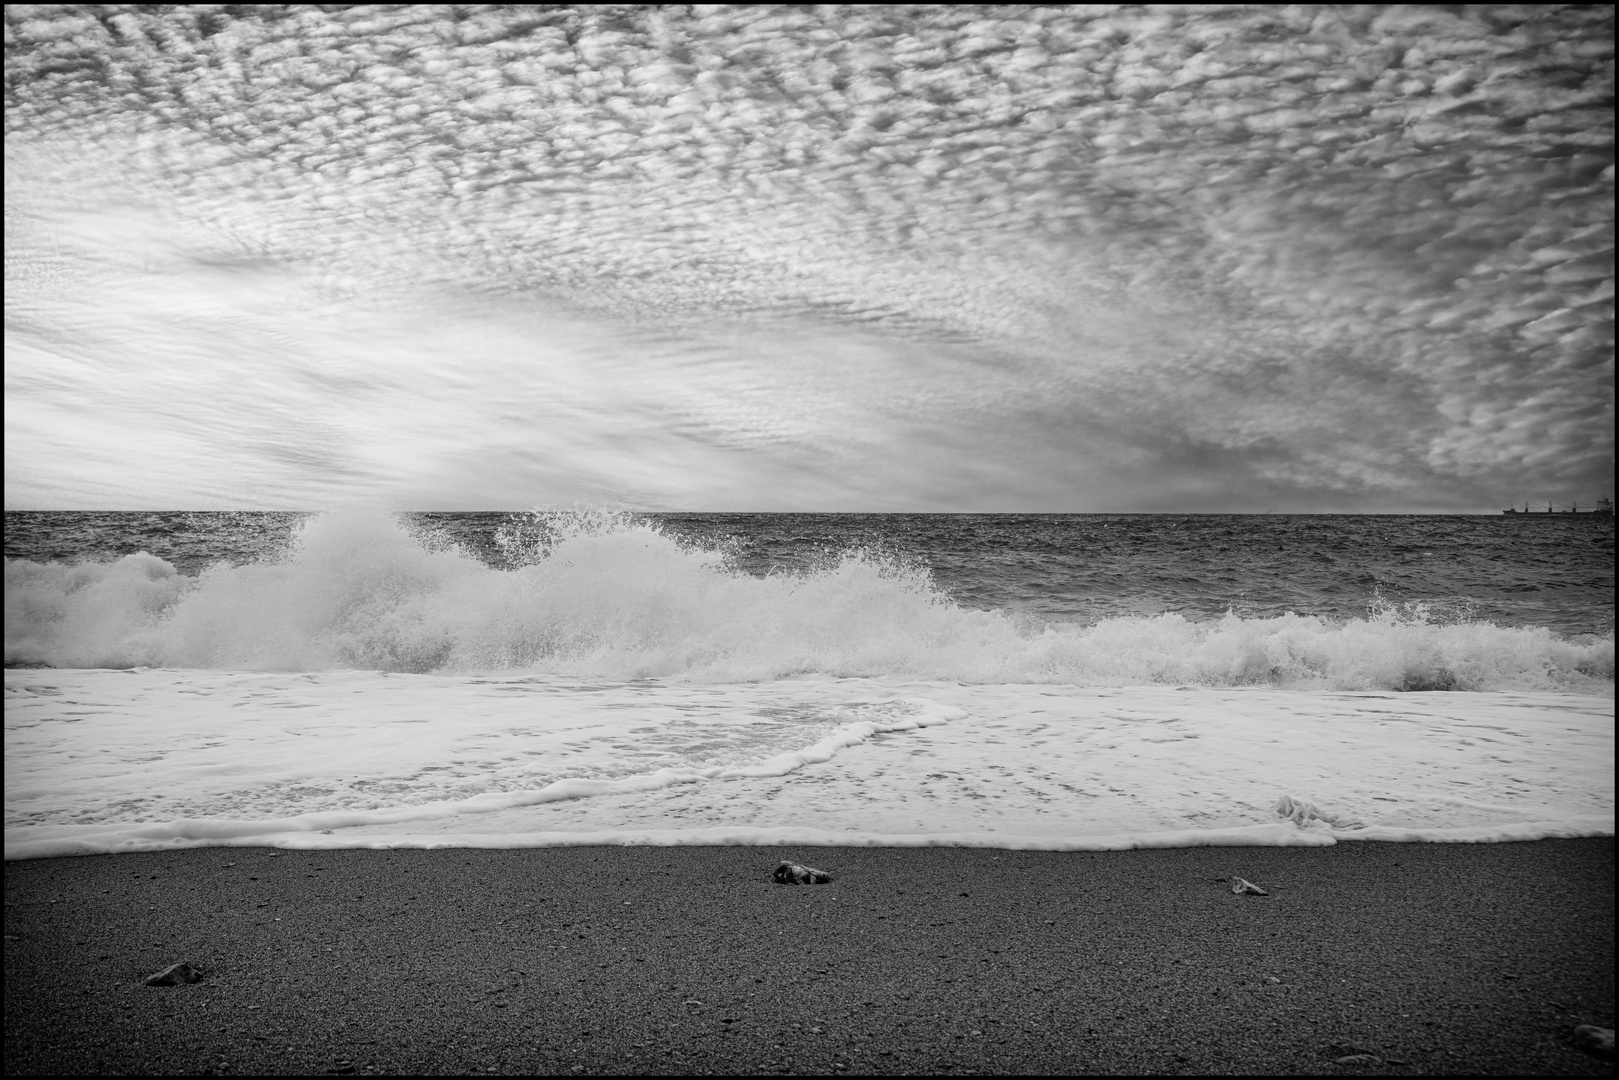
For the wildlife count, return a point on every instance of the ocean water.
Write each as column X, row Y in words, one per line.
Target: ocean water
column 1085, row 681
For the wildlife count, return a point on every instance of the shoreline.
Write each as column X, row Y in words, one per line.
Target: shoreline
column 101, row 762
column 1453, row 958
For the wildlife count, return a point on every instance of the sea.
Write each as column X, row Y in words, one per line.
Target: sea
column 598, row 676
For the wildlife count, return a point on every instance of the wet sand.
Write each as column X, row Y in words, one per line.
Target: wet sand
column 1426, row 958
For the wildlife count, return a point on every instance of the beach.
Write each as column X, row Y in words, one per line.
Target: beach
column 1424, row 958
column 386, row 858
column 1124, row 491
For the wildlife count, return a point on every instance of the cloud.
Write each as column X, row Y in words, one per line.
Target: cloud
column 848, row 257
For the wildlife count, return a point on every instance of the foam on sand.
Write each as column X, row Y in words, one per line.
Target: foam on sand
column 104, row 761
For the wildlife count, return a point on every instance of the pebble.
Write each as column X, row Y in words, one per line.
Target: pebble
column 1358, row 1059
column 174, row 975
column 1596, row 1041
column 788, row 873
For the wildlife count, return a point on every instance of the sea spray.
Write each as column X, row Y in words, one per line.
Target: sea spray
column 610, row 595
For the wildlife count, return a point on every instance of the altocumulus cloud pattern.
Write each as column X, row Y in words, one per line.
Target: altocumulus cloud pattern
column 760, row 257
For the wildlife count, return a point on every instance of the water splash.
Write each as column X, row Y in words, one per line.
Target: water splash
column 599, row 593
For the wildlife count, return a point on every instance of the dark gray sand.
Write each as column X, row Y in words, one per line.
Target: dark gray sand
column 1429, row 958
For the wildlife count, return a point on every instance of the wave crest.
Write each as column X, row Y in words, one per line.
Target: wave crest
column 607, row 595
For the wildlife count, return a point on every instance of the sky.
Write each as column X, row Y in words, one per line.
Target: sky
column 1085, row 258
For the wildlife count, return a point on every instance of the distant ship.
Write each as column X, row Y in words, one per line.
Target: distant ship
column 1603, row 508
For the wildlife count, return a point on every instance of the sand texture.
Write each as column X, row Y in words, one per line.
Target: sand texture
column 1426, row 958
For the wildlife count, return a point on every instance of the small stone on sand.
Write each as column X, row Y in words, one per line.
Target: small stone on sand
column 1596, row 1041
column 174, row 975
column 792, row 874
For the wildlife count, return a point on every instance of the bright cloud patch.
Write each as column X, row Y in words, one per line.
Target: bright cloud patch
column 756, row 257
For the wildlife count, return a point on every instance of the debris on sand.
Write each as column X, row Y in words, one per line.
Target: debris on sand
column 789, row 873
column 1596, row 1041
column 1242, row 885
column 174, row 975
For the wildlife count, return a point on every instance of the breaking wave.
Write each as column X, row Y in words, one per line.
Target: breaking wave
column 607, row 595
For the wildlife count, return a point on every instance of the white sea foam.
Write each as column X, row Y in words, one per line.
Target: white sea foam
column 371, row 687
column 108, row 761
column 610, row 597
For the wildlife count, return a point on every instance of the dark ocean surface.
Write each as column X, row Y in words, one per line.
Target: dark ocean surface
column 1555, row 571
